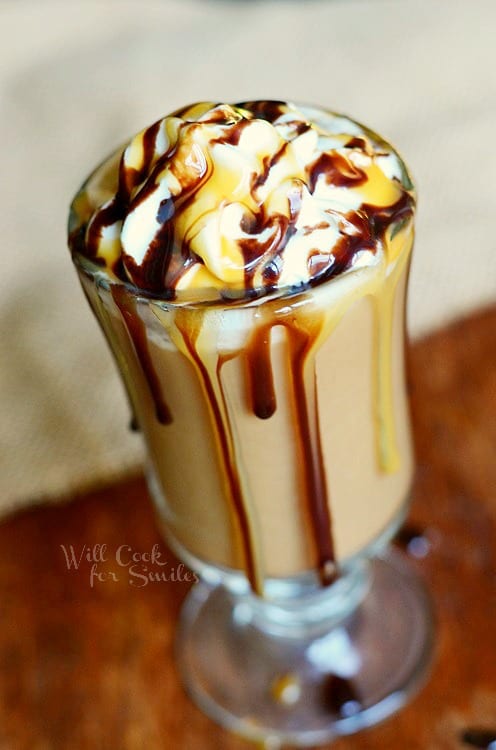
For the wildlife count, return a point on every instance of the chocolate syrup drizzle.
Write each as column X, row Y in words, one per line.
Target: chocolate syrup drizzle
column 167, row 259
column 136, row 329
column 260, row 376
column 308, row 433
column 214, row 392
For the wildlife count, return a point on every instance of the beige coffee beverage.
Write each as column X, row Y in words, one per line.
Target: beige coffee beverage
column 248, row 266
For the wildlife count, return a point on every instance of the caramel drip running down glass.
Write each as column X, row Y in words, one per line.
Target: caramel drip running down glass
column 248, row 267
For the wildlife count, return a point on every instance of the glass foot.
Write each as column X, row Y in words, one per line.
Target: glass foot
column 307, row 686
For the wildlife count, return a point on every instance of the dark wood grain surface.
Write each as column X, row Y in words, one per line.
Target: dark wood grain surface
column 86, row 661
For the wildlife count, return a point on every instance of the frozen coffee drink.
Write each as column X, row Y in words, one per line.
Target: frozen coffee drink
column 247, row 264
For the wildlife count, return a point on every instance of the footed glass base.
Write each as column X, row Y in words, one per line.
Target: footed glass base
column 263, row 672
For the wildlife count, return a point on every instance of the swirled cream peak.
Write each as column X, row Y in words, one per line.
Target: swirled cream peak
column 219, row 201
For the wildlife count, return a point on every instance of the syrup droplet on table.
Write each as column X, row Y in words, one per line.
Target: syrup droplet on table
column 340, row 697
column 481, row 738
column 413, row 539
column 134, row 424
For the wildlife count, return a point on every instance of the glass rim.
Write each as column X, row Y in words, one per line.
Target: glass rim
column 287, row 297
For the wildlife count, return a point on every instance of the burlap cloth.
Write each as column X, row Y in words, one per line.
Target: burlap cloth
column 77, row 78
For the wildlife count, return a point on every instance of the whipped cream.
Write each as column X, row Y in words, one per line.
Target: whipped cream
column 235, row 201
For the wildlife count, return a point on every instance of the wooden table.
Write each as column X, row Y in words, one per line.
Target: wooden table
column 86, row 663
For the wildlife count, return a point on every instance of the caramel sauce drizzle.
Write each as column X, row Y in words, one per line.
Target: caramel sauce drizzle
column 388, row 454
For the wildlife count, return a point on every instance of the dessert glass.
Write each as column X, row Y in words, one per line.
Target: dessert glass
column 280, row 464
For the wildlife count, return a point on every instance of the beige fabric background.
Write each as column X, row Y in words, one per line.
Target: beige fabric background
column 77, row 78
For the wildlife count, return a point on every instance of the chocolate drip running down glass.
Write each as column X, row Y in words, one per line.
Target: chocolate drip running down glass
column 248, row 266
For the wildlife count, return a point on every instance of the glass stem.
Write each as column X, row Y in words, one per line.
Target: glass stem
column 306, row 611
